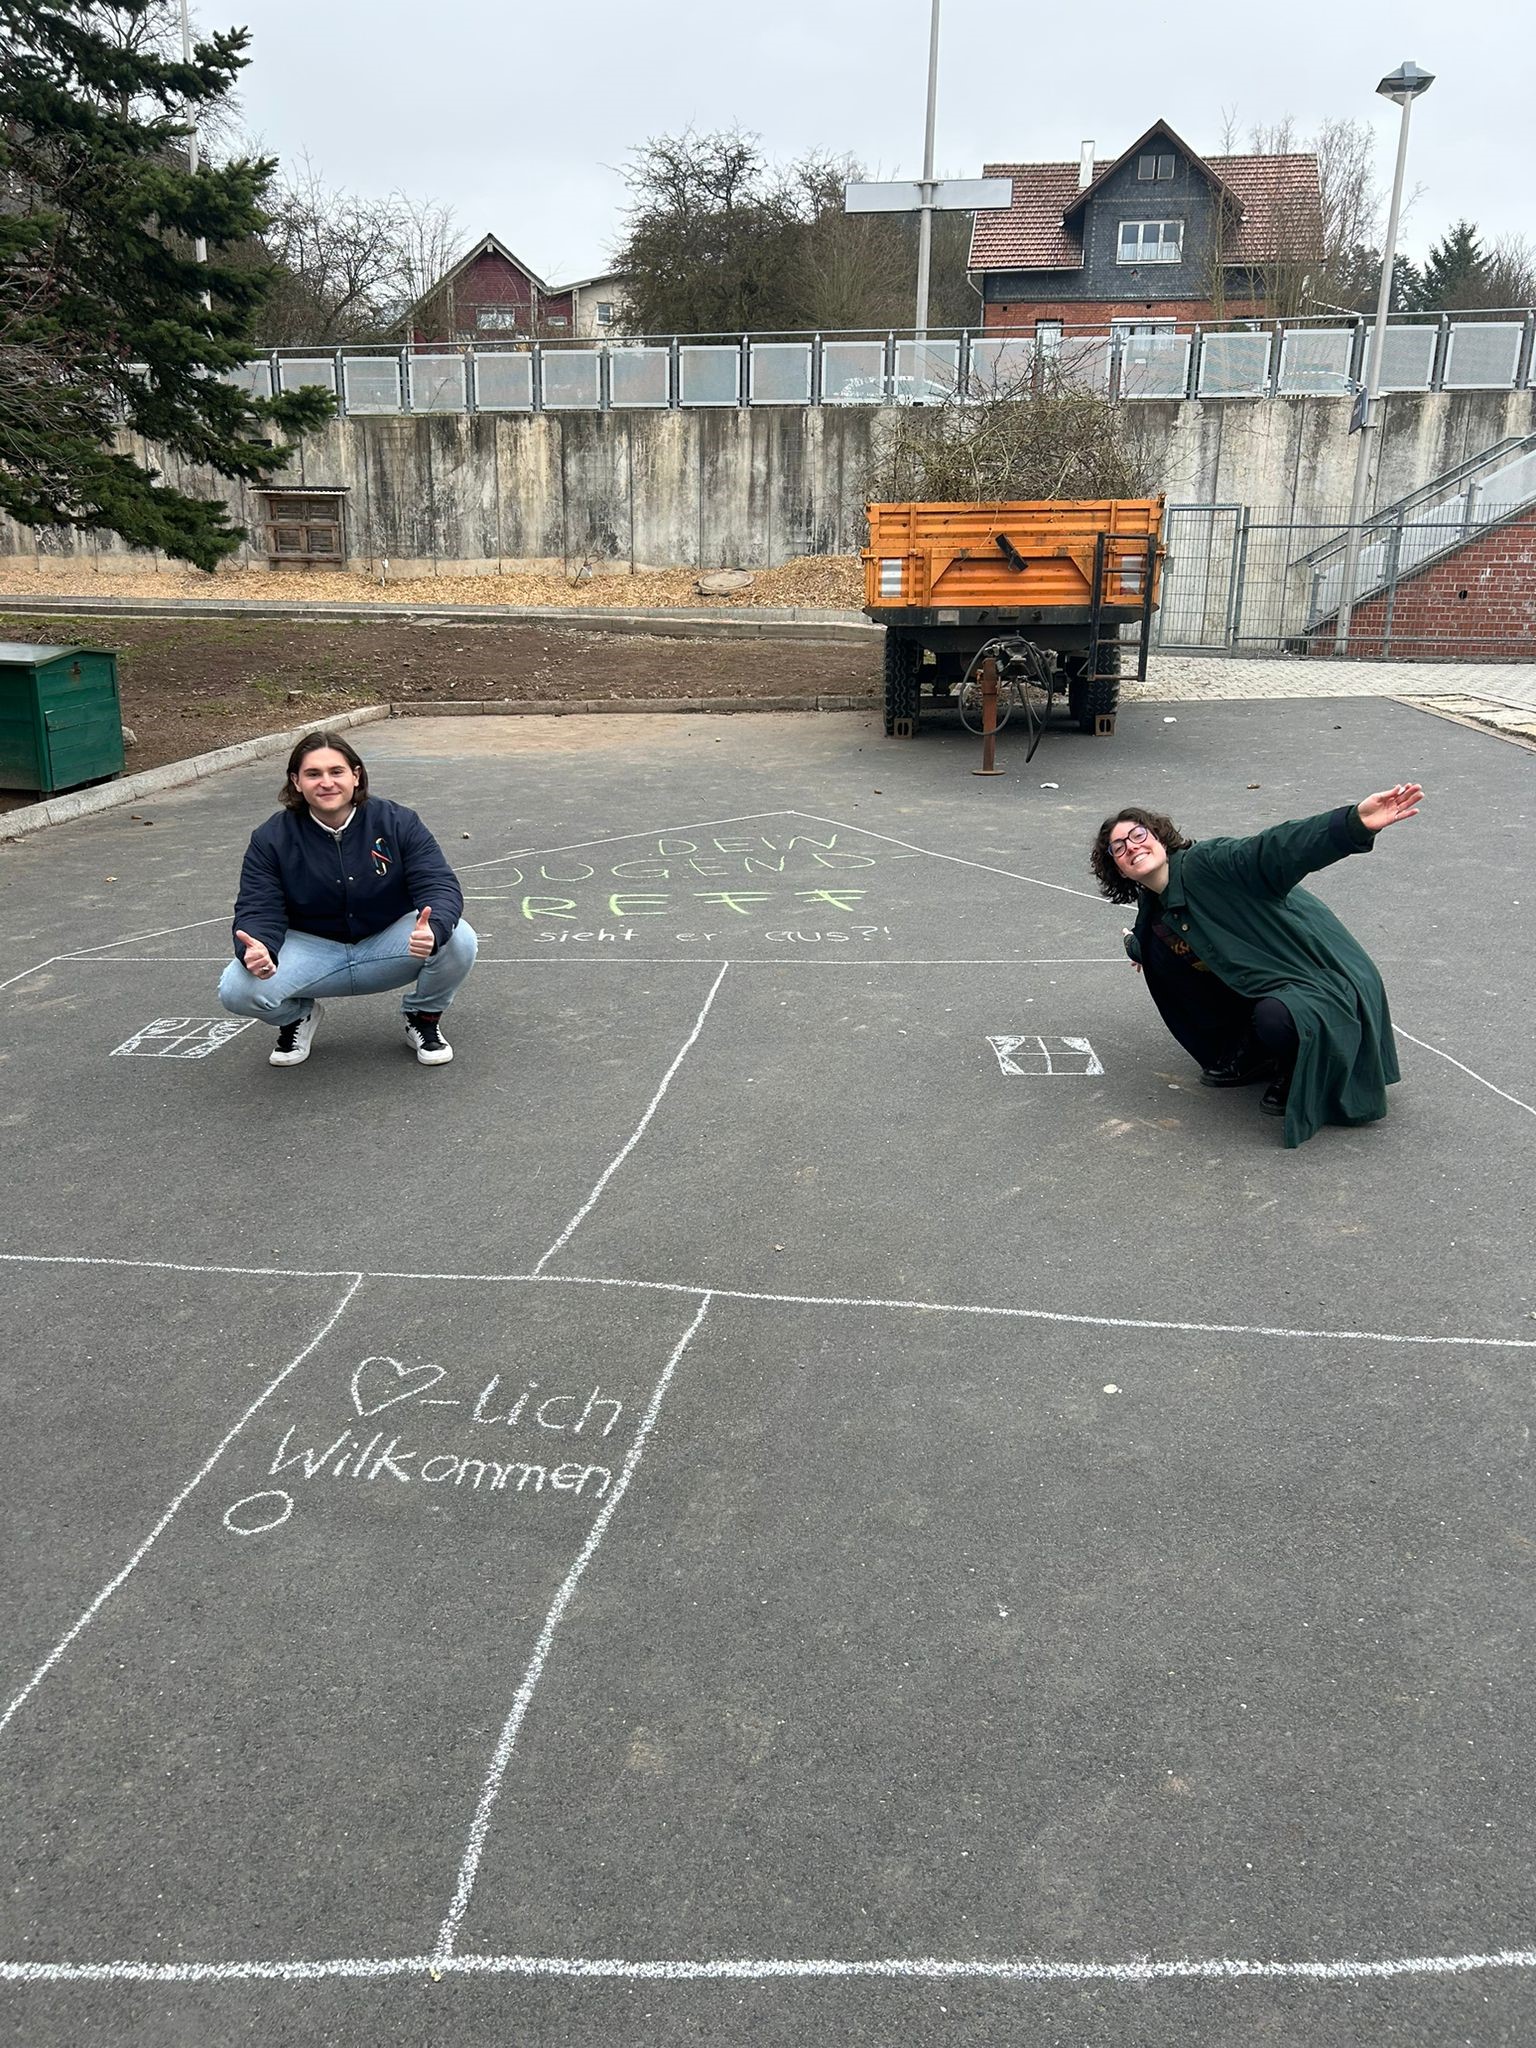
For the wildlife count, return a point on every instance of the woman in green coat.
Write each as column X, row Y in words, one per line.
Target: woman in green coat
column 1255, row 977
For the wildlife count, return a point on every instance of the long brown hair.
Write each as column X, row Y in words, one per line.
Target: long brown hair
column 311, row 743
column 1111, row 882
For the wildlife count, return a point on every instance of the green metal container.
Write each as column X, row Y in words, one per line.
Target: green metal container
column 60, row 720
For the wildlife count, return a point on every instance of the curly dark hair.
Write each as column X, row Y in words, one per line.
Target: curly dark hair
column 1111, row 882
column 311, row 743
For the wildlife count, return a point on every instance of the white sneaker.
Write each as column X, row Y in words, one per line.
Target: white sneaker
column 425, row 1039
column 294, row 1040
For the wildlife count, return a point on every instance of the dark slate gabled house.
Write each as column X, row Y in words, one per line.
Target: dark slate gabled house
column 1159, row 235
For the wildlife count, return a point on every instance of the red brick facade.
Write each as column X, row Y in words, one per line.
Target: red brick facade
column 1478, row 602
column 1097, row 313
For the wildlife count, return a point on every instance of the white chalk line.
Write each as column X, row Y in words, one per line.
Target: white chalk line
column 1526, row 1106
column 612, row 838
column 717, row 1293
column 639, row 1132
column 579, row 957
column 1008, row 874
column 84, row 952
column 741, row 1969
column 474, row 1848
column 170, row 1514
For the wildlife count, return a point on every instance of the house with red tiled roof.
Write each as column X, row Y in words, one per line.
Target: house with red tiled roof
column 1159, row 235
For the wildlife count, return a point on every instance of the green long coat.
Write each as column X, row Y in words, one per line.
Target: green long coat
column 1238, row 904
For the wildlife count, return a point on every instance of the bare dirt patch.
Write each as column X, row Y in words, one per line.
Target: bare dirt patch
column 190, row 685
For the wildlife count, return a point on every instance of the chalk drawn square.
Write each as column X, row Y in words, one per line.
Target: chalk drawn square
column 182, row 1038
column 1031, row 1055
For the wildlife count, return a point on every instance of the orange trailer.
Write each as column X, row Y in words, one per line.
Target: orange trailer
column 1045, row 586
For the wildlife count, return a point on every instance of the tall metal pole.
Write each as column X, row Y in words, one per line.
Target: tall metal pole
column 200, row 246
column 1370, row 424
column 925, row 208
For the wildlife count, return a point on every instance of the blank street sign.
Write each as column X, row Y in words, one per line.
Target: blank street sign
column 954, row 195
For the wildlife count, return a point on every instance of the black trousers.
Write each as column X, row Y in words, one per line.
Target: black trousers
column 1213, row 1022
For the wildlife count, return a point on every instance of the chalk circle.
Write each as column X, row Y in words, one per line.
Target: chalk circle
column 251, row 1525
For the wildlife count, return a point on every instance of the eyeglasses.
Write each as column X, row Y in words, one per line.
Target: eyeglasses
column 1136, row 835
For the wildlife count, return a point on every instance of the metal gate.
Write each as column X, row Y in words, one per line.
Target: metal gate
column 1451, row 578
column 1202, row 549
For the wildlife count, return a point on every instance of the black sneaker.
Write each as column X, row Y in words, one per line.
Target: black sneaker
column 293, row 1040
column 428, row 1042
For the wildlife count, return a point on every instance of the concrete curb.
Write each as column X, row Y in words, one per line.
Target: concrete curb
column 578, row 707
column 81, row 803
column 803, row 623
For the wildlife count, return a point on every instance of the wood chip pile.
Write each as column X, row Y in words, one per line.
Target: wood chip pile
column 835, row 581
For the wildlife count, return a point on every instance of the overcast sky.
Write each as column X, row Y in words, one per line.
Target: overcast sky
column 521, row 116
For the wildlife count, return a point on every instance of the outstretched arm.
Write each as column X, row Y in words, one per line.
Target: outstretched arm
column 1390, row 806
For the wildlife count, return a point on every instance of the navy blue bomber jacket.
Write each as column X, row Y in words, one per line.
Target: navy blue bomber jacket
column 298, row 876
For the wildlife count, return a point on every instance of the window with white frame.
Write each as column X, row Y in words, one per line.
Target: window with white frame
column 1048, row 337
column 505, row 317
column 1155, row 164
column 1151, row 241
column 604, row 312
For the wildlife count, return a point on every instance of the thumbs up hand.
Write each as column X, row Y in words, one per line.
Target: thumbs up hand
column 258, row 960
column 421, row 942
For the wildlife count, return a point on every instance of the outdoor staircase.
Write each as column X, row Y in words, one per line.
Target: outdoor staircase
column 1435, row 520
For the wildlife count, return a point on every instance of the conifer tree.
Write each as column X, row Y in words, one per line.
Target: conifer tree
column 103, row 320
column 1455, row 271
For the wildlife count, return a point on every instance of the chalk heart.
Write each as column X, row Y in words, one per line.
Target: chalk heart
column 381, row 1382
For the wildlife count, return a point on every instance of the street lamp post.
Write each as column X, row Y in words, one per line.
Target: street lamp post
column 200, row 246
column 1403, row 85
column 925, row 208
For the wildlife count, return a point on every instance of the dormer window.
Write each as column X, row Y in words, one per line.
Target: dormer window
column 1154, row 165
column 1151, row 241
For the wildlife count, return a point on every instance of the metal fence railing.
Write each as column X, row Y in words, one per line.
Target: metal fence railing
column 1244, row 580
column 1127, row 360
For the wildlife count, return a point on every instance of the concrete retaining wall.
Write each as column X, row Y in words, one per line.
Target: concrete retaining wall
column 480, row 493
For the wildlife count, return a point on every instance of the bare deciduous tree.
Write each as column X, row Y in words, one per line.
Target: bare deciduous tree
column 348, row 268
column 720, row 240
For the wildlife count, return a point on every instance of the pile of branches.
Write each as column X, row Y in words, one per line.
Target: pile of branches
column 1046, row 435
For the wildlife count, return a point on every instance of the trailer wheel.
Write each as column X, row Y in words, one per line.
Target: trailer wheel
column 1091, row 698
column 903, row 684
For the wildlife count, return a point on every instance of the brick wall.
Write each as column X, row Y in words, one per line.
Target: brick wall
column 1021, row 317
column 1478, row 602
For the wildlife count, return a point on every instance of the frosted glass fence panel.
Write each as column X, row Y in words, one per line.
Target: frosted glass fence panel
column 780, row 373
column 1154, row 366
column 1407, row 357
column 297, row 372
column 571, row 379
column 639, row 376
column 926, row 372
column 504, row 383
column 1314, row 361
column 852, row 372
column 1000, row 367
column 438, row 384
column 371, row 383
column 709, row 376
column 1482, row 355
column 1234, row 366
column 254, row 379
column 1084, row 363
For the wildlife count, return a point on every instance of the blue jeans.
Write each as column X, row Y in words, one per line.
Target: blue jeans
column 309, row 968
